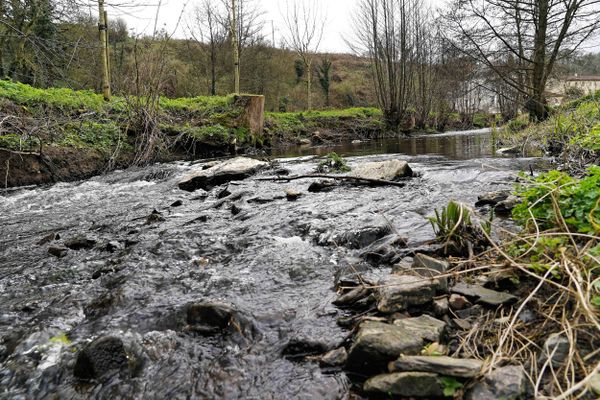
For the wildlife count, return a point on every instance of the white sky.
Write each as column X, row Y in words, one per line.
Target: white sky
column 339, row 17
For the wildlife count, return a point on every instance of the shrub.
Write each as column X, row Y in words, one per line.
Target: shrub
column 333, row 163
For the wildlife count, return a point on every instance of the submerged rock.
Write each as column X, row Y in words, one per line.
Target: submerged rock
column 406, row 384
column 211, row 318
column 390, row 170
column 377, row 343
column 292, row 194
column 80, row 243
column 399, row 292
column 231, row 170
column 507, row 383
column 59, row 252
column 447, row 366
column 384, row 250
column 99, row 358
column 484, row 296
column 324, row 185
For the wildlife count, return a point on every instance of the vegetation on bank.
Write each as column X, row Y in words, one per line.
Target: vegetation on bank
column 572, row 132
column 33, row 118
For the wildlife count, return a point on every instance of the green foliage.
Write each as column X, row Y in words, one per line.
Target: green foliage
column 451, row 385
column 577, row 200
column 333, row 163
column 481, row 120
column 61, row 339
column 15, row 142
column 516, row 125
column 100, row 136
column 454, row 224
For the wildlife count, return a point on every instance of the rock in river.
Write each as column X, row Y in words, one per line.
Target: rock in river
column 390, row 170
column 447, row 366
column 231, row 170
column 407, row 384
column 100, row 357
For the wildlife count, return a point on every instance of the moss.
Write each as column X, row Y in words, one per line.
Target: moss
column 102, row 136
column 15, row 142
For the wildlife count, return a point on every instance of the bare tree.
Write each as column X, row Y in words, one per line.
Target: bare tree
column 305, row 22
column 206, row 30
column 522, row 40
column 243, row 21
column 385, row 32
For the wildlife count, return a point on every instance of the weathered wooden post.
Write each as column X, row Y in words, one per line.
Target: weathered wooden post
column 103, row 33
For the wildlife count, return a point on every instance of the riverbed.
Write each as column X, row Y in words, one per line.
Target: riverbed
column 154, row 250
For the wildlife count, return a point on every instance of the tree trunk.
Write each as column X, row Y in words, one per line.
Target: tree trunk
column 537, row 103
column 308, row 85
column 103, row 29
column 236, row 47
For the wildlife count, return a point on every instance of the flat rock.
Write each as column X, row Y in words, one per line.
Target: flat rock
column 57, row 251
column 235, row 169
column 406, row 384
column 447, row 366
column 398, row 292
column 429, row 267
column 506, row 206
column 335, row 358
column 378, row 343
column 424, row 327
column 80, row 243
column 507, row 383
column 484, row 296
column 390, row 170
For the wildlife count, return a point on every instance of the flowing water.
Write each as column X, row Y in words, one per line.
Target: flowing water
column 274, row 261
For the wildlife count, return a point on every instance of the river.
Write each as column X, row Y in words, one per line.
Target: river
column 275, row 262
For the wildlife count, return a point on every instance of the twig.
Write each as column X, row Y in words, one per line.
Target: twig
column 382, row 182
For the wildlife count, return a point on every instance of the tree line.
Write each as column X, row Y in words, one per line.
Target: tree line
column 418, row 64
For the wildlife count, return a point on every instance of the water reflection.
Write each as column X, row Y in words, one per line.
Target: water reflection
column 453, row 145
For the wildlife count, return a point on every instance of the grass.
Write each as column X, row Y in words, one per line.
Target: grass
column 82, row 119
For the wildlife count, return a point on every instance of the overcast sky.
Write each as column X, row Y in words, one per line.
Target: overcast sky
column 339, row 18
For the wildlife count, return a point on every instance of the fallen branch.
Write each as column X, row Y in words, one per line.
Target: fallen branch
column 381, row 182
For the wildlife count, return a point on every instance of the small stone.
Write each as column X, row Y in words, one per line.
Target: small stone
column 225, row 192
column 292, row 194
column 507, row 383
column 335, row 358
column 556, row 348
column 235, row 209
column 492, row 198
column 462, row 324
column 430, row 267
column 398, row 292
column 406, row 384
column 458, row 302
column 356, row 294
column 113, row 246
column 59, row 252
column 177, row 203
column 447, row 366
column 80, row 243
column 378, row 343
column 441, row 307
column 424, row 327
column 49, row 238
column 100, row 357
column 484, row 296
column 322, row 186
column 505, row 207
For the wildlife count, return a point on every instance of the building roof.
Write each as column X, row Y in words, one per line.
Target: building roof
column 583, row 78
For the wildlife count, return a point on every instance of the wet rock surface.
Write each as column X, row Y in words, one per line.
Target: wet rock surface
column 274, row 264
column 99, row 358
column 447, row 366
column 421, row 385
column 231, row 170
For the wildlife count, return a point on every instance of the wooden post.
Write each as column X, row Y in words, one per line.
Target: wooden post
column 103, row 33
column 235, row 42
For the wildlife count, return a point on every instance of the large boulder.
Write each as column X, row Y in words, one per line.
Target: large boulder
column 447, row 366
column 407, row 384
column 235, row 169
column 391, row 170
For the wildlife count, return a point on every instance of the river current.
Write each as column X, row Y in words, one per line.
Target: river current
column 273, row 261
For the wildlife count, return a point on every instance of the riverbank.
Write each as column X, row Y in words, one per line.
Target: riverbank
column 571, row 135
column 52, row 135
